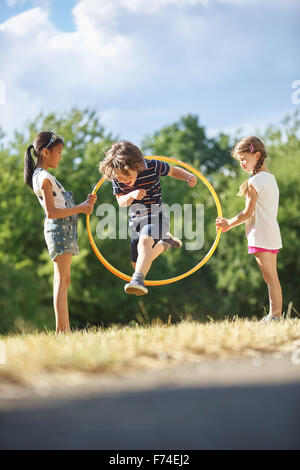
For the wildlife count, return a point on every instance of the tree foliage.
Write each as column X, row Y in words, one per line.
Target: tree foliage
column 229, row 284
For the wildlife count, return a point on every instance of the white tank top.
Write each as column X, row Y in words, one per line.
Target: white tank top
column 38, row 178
column 262, row 229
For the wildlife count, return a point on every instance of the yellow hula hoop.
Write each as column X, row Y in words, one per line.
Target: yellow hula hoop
column 118, row 273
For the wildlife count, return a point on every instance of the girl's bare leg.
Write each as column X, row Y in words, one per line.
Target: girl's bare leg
column 268, row 265
column 61, row 282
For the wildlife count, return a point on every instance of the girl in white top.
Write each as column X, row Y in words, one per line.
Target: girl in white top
column 61, row 213
column 260, row 215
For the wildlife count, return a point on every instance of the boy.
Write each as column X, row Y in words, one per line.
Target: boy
column 136, row 184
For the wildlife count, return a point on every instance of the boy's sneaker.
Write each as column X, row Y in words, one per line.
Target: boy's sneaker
column 269, row 318
column 136, row 287
column 171, row 241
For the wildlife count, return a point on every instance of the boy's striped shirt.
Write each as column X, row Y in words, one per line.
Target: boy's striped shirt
column 148, row 180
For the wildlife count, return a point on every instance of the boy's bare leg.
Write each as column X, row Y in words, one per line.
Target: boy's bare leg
column 142, row 266
column 157, row 250
column 145, row 258
column 146, row 254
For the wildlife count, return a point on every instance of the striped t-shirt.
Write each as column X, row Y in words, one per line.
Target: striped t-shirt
column 149, row 180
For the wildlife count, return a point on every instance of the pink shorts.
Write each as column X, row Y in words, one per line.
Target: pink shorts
column 256, row 249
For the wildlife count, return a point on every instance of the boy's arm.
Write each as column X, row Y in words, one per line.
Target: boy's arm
column 227, row 224
column 181, row 174
column 125, row 200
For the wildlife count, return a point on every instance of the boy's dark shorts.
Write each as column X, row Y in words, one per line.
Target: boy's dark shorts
column 156, row 227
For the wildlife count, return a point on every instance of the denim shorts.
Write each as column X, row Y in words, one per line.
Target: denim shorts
column 155, row 226
column 61, row 235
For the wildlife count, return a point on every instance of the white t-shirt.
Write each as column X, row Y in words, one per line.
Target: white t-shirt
column 262, row 229
column 38, row 178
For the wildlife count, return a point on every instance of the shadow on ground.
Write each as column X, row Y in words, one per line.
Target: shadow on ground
column 223, row 417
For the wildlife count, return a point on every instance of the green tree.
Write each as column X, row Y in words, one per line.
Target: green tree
column 229, row 284
column 187, row 141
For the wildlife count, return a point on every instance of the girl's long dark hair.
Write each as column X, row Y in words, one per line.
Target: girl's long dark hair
column 43, row 140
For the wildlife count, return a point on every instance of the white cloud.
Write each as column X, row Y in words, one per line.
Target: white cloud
column 126, row 58
column 52, row 69
column 251, row 127
column 21, row 3
column 27, row 22
column 150, row 7
column 12, row 3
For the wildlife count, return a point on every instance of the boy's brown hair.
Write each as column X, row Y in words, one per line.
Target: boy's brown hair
column 122, row 156
column 250, row 145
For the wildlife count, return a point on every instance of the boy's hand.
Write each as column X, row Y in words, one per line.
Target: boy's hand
column 223, row 224
column 138, row 194
column 192, row 181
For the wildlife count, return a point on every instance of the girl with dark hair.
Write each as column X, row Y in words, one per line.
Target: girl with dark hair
column 61, row 216
column 260, row 215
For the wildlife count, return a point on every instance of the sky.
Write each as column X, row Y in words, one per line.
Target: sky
column 142, row 64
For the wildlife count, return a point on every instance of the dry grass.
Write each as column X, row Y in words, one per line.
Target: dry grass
column 120, row 349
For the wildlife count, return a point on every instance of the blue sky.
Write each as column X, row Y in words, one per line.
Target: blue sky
column 60, row 11
column 144, row 63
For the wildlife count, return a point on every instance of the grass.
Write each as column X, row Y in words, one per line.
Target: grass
column 120, row 349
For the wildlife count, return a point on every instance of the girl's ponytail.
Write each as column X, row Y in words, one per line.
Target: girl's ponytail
column 29, row 166
column 45, row 139
column 243, row 189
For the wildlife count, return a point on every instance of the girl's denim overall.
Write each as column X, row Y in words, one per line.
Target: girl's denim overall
column 61, row 234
